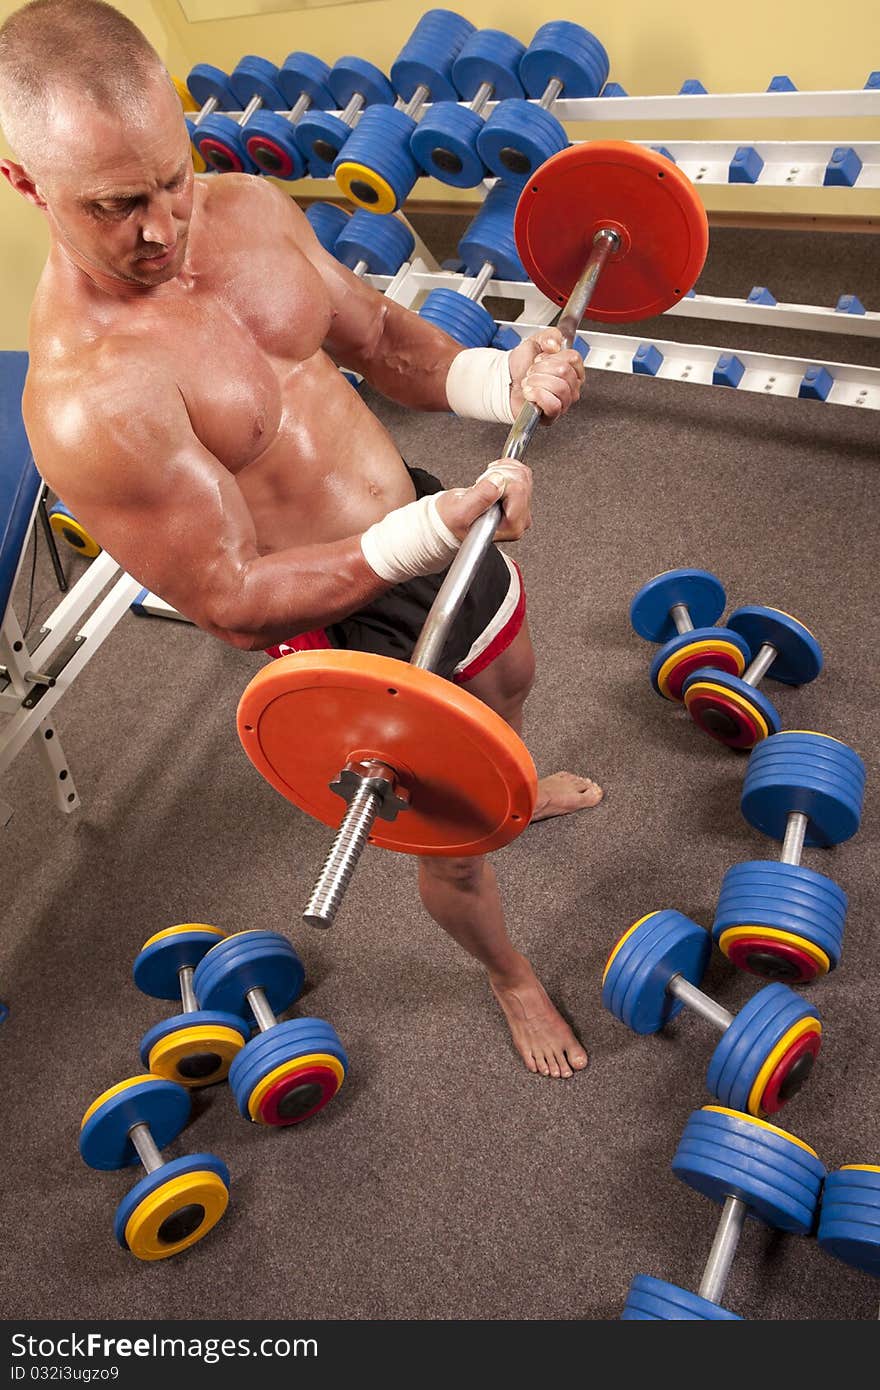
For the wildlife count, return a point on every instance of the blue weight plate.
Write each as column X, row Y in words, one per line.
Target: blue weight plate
column 811, row 907
column 854, row 1243
column 517, row 139
column 506, row 339
column 201, row 1018
column 665, row 944
column 491, row 56
column 295, row 1038
column 754, row 697
column 321, row 135
column 700, row 592
column 654, row 1299
column 490, row 236
column 778, row 1179
column 799, row 656
column 682, row 640
column 445, row 145
column 223, row 131
column 748, row 1042
column 162, row 1105
column 249, row 960
column 302, row 74
column 206, row 81
column 427, row 57
column 257, row 77
column 177, row 1168
column 806, row 773
column 270, row 141
column 463, row 319
column 567, row 51
column 351, row 76
column 327, row 221
column 380, row 239
column 381, row 143
column 156, row 966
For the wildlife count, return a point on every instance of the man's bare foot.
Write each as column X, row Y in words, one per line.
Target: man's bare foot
column 541, row 1035
column 563, row 792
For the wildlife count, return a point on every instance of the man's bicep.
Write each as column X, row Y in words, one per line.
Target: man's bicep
column 157, row 500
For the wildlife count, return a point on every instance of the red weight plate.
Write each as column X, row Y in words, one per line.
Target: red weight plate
column 316, row 1085
column 746, row 733
column 471, row 781
column 796, row 967
column 773, row 1098
column 719, row 661
column 641, row 195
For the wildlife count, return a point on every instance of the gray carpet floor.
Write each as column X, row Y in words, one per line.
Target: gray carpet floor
column 445, row 1182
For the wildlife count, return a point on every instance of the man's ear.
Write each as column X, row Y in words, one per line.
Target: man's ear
column 19, row 179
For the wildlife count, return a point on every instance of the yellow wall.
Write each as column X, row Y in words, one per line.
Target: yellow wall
column 653, row 47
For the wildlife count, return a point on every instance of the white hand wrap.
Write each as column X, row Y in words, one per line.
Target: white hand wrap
column 478, row 385
column 410, row 541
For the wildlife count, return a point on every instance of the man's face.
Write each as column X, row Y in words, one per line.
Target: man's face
column 118, row 190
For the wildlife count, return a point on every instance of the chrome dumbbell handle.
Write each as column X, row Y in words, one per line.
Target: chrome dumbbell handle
column 707, row 1008
column 262, row 1011
column 793, row 840
column 145, row 1144
column 681, row 617
column 551, row 92
column 187, row 993
column 718, row 1265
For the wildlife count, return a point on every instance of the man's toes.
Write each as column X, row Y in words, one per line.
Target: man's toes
column 577, row 1057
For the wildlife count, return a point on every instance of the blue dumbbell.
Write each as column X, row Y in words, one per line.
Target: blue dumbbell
column 292, row 1069
column 377, row 169
column 445, row 140
column 750, row 1168
column 730, row 708
column 355, row 84
column 271, row 136
column 679, row 609
column 196, row 1047
column 768, row 1048
column 220, row 140
column 327, row 221
column 849, row 1218
column 562, row 59
column 487, row 250
column 178, row 1202
column 779, row 919
column 210, row 91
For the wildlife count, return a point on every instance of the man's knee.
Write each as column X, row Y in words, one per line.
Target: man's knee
column 464, row 874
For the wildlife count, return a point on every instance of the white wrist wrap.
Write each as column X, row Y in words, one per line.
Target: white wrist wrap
column 478, row 385
column 411, row 541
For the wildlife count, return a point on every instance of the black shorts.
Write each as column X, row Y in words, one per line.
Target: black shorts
column 490, row 616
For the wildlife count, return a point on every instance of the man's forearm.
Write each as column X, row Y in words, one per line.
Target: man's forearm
column 409, row 360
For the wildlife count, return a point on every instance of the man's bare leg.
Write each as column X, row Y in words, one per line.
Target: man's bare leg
column 462, row 896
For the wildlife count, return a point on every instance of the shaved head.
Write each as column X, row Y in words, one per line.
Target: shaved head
column 57, row 56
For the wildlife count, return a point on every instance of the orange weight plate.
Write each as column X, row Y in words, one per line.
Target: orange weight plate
column 641, row 195
column 471, row 781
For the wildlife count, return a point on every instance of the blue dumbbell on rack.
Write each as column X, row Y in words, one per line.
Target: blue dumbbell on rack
column 488, row 251
column 751, row 1169
column 377, row 169
column 179, row 1201
column 778, row 918
column 767, row 1050
column 445, row 140
column 220, row 140
column 730, row 708
column 197, row 1046
column 293, row 1068
column 271, row 141
column 849, row 1217
column 563, row 59
column 210, row 91
column 355, row 84
column 679, row 609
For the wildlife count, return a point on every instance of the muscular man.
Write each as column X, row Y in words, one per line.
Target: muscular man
column 183, row 401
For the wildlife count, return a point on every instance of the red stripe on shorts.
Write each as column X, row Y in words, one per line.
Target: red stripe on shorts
column 501, row 641
column 315, row 641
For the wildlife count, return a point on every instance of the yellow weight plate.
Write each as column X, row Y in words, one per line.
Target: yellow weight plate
column 815, row 733
column 113, row 1091
column 187, row 100
column 142, row 1227
column 753, row 1120
column 626, row 934
column 169, row 1051
column 860, row 1167
column 799, row 621
column 69, row 530
column 702, row 687
column 774, row 934
column 350, row 173
column 181, row 927
column 312, row 1059
column 797, row 1030
column 694, row 649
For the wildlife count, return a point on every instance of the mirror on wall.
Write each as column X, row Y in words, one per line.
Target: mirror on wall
column 196, row 10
